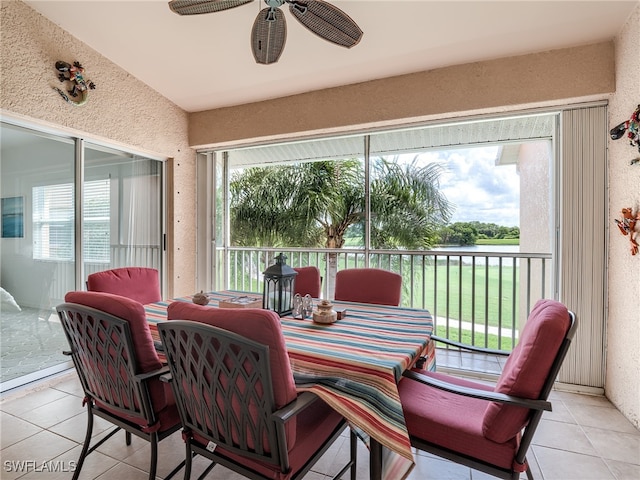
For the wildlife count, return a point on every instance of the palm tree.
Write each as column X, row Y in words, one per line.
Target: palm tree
column 314, row 204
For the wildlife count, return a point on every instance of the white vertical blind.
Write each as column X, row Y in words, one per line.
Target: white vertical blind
column 582, row 229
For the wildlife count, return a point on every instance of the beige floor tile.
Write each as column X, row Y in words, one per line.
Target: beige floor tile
column 602, row 417
column 580, row 399
column 563, row 465
column 122, row 471
column 18, row 403
column 75, row 428
column 624, row 471
column 70, row 384
column 116, row 446
column 55, row 412
column 62, row 467
column 563, row 436
column 560, row 412
column 171, row 452
column 432, row 468
column 615, row 445
column 14, row 429
column 32, row 452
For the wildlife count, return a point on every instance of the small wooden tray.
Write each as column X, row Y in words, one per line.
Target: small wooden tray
column 241, row 302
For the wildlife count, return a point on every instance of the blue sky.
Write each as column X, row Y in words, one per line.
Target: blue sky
column 478, row 188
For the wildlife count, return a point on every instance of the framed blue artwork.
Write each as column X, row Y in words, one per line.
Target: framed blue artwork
column 12, row 209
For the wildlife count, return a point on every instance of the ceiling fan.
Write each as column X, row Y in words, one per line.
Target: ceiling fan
column 270, row 28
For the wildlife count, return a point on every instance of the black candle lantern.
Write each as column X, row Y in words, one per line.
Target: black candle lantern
column 279, row 280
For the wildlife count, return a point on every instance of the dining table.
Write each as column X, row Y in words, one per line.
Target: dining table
column 354, row 365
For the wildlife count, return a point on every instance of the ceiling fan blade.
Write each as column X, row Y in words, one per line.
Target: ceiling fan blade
column 268, row 35
column 327, row 21
column 195, row 7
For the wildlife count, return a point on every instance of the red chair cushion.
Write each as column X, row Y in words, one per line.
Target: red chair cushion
column 527, row 368
column 146, row 355
column 138, row 283
column 308, row 281
column 368, row 285
column 452, row 421
column 262, row 326
column 313, row 427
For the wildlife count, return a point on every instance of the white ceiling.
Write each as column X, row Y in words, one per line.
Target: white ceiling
column 204, row 61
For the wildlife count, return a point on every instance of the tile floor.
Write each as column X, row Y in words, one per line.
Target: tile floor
column 42, row 427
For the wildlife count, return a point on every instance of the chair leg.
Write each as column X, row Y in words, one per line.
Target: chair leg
column 153, row 465
column 375, row 459
column 127, row 438
column 529, row 474
column 188, row 457
column 353, row 439
column 87, row 441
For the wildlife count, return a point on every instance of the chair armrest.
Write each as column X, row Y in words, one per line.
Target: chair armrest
column 472, row 348
column 476, row 393
column 155, row 373
column 285, row 413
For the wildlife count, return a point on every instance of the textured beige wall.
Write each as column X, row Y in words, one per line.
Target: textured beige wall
column 121, row 111
column 623, row 320
column 493, row 85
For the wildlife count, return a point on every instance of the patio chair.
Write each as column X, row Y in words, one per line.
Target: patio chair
column 368, row 285
column 233, row 384
column 308, row 281
column 113, row 353
column 138, row 283
column 490, row 428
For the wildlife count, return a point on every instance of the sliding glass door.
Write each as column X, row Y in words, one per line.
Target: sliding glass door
column 68, row 209
column 122, row 212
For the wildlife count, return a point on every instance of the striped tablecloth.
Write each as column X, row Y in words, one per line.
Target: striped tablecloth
column 354, row 365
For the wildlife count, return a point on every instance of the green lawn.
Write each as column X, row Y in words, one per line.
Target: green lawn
column 450, row 292
column 446, row 291
column 498, row 241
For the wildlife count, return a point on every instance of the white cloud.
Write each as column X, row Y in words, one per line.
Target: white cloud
column 479, row 189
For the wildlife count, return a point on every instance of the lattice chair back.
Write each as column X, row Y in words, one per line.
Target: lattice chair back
column 102, row 352
column 223, row 388
column 115, row 359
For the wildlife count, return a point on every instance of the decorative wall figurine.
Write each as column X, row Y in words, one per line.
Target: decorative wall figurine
column 79, row 85
column 627, row 226
column 632, row 128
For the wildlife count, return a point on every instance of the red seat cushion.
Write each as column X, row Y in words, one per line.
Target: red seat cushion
column 146, row 355
column 308, row 281
column 452, row 421
column 368, row 285
column 138, row 283
column 527, row 368
column 313, row 427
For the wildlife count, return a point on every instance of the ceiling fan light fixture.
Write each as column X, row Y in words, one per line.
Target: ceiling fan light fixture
column 268, row 35
column 327, row 22
column 196, row 7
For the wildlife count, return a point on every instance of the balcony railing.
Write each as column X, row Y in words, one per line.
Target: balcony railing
column 481, row 298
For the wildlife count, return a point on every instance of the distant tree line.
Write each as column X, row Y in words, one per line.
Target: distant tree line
column 468, row 233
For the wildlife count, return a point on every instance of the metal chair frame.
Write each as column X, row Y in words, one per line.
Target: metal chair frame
column 537, row 407
column 100, row 343
column 217, row 355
